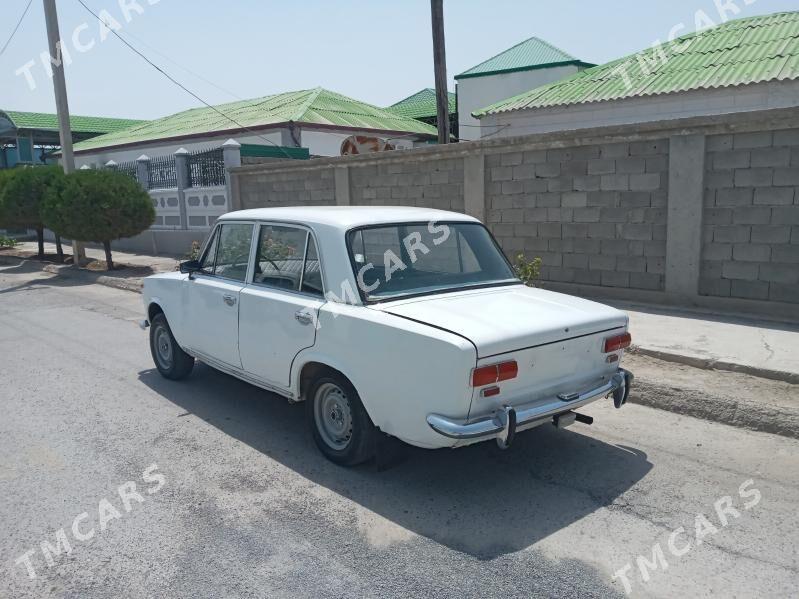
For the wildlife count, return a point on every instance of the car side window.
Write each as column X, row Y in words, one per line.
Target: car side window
column 209, row 256
column 278, row 262
column 312, row 275
column 233, row 253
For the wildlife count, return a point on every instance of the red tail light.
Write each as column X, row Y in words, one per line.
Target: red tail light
column 618, row 342
column 485, row 375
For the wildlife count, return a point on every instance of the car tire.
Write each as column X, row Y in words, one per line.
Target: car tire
column 170, row 359
column 341, row 428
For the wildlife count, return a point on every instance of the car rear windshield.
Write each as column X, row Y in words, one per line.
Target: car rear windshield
column 397, row 260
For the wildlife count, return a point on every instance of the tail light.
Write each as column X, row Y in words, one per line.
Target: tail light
column 485, row 375
column 617, row 342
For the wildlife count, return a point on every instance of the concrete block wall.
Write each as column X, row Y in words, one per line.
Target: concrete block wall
column 703, row 211
column 595, row 214
column 750, row 233
column 290, row 187
column 430, row 184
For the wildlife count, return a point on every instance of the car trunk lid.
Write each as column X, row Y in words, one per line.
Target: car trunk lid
column 501, row 320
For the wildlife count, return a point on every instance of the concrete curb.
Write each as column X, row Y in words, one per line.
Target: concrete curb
column 765, row 417
column 134, row 285
column 710, row 364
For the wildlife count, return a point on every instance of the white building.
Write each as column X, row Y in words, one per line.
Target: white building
column 526, row 65
column 316, row 119
column 741, row 66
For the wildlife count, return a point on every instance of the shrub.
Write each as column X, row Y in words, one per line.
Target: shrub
column 22, row 194
column 99, row 206
column 7, row 242
column 194, row 251
column 527, row 270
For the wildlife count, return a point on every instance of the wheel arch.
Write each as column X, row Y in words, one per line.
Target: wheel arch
column 154, row 308
column 315, row 366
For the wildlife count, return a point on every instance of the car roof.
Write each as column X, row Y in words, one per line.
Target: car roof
column 347, row 217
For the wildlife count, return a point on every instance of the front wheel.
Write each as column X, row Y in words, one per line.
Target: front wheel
column 170, row 360
column 339, row 423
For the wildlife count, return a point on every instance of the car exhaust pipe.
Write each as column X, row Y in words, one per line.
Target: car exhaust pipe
column 568, row 418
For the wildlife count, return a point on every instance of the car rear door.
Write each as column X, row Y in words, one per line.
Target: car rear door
column 211, row 296
column 278, row 309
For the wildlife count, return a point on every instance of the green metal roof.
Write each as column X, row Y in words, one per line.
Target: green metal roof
column 533, row 53
column 312, row 106
column 751, row 50
column 78, row 124
column 422, row 104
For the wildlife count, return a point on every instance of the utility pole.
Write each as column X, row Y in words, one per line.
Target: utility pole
column 62, row 107
column 440, row 65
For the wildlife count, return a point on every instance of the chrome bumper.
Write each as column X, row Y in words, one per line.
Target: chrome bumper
column 504, row 422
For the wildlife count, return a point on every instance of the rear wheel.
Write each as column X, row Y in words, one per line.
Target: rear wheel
column 170, row 360
column 339, row 423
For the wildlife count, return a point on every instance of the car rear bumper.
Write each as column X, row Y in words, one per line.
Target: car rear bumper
column 504, row 422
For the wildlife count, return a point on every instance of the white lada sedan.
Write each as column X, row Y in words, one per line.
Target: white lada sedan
column 408, row 322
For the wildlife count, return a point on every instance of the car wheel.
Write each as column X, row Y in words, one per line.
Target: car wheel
column 339, row 423
column 170, row 360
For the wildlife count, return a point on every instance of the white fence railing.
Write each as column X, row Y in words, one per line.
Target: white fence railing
column 204, row 205
column 167, row 208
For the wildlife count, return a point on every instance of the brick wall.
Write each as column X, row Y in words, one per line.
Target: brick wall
column 751, row 216
column 430, row 184
column 310, row 187
column 595, row 214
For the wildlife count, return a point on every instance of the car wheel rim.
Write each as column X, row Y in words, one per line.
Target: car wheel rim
column 333, row 416
column 163, row 348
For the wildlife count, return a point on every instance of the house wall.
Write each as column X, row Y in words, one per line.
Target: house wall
column 98, row 159
column 746, row 98
column 319, row 142
column 695, row 211
column 478, row 92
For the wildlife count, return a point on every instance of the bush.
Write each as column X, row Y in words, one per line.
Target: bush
column 22, row 194
column 527, row 270
column 7, row 242
column 98, row 206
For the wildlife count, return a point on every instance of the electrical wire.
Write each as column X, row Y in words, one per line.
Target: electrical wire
column 180, row 85
column 185, row 68
column 16, row 27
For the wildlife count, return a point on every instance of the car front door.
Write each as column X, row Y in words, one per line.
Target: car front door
column 211, row 295
column 278, row 310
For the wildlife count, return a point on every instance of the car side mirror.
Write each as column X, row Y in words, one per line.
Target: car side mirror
column 190, row 267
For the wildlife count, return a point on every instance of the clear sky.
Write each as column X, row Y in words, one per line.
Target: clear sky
column 379, row 51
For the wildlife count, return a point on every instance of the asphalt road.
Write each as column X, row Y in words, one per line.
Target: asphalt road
column 248, row 507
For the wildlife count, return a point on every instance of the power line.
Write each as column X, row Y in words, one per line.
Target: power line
column 13, row 33
column 180, row 85
column 185, row 68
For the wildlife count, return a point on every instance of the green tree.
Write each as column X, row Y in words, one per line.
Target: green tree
column 22, row 196
column 98, row 206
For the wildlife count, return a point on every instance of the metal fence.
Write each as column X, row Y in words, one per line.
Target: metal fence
column 126, row 168
column 162, row 173
column 206, row 168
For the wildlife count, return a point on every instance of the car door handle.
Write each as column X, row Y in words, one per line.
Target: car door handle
column 229, row 300
column 303, row 317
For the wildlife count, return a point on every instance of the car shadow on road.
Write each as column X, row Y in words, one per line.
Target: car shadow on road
column 478, row 500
